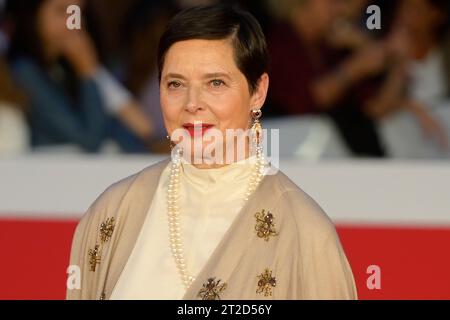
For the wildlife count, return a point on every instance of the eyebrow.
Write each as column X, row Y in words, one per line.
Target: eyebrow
column 174, row 75
column 205, row 76
column 216, row 75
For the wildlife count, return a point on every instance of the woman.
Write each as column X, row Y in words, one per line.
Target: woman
column 193, row 227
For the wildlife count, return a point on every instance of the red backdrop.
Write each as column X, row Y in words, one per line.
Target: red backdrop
column 414, row 262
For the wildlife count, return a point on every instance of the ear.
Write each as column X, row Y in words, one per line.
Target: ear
column 259, row 95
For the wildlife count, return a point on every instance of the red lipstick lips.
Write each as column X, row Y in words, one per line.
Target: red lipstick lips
column 197, row 129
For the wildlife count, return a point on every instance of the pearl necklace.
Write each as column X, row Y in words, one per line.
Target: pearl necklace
column 173, row 210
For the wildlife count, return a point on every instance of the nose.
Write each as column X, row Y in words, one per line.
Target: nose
column 193, row 103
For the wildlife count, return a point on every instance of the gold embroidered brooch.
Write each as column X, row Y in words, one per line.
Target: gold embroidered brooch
column 266, row 282
column 265, row 227
column 212, row 289
column 106, row 231
column 94, row 257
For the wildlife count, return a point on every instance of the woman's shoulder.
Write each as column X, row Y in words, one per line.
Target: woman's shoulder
column 299, row 207
column 287, row 188
column 126, row 189
column 118, row 201
column 138, row 180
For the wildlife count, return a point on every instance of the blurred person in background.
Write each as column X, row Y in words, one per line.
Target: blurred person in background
column 397, row 92
column 412, row 102
column 309, row 75
column 414, row 76
column 73, row 99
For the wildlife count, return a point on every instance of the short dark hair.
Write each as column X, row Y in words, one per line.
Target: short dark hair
column 219, row 22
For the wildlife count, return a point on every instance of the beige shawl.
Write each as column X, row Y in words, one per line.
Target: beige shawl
column 296, row 255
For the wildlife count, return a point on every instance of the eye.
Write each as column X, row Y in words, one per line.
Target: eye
column 216, row 83
column 174, row 84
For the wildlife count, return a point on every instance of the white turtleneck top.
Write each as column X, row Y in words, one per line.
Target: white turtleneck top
column 209, row 200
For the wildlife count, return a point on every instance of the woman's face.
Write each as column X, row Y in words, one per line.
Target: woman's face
column 51, row 22
column 200, row 81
